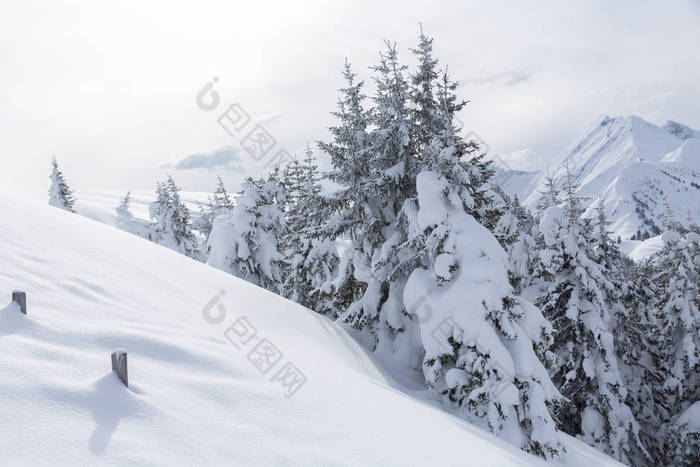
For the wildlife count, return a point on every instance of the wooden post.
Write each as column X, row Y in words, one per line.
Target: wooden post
column 20, row 298
column 119, row 365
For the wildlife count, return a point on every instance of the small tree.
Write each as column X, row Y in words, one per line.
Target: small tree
column 550, row 196
column 172, row 226
column 60, row 194
column 247, row 241
column 123, row 212
column 220, row 203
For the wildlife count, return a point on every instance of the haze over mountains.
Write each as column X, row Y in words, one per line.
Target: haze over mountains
column 634, row 167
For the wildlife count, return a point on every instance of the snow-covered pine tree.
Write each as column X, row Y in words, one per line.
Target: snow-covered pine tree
column 550, row 196
column 522, row 253
column 637, row 346
column 220, row 203
column 247, row 240
column 391, row 181
column 482, row 345
column 376, row 172
column 345, row 209
column 222, row 200
column 159, row 212
column 484, row 348
column 427, row 117
column 633, row 328
column 579, row 299
column 508, row 224
column 172, row 226
column 677, row 279
column 682, row 444
column 123, row 212
column 60, row 194
column 182, row 225
column 668, row 218
column 312, row 262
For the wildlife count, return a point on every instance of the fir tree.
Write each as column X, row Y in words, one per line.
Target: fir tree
column 677, row 279
column 123, row 212
column 60, row 194
column 580, row 300
column 220, row 203
column 391, row 180
column 637, row 345
column 682, row 443
column 312, row 262
column 522, row 252
column 474, row 364
column 247, row 241
column 172, row 226
column 551, row 196
column 345, row 209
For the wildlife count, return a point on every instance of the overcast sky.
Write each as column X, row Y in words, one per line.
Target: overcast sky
column 110, row 87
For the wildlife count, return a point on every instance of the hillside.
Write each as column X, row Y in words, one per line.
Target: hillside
column 193, row 399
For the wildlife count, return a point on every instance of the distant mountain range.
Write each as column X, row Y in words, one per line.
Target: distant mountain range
column 634, row 167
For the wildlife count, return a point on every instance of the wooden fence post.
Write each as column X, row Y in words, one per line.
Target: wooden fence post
column 119, row 365
column 20, row 298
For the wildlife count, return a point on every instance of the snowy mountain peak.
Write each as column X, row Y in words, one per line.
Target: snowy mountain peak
column 634, row 167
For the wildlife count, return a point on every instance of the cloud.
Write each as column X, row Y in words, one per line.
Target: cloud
column 269, row 118
column 506, row 78
column 523, row 159
column 225, row 157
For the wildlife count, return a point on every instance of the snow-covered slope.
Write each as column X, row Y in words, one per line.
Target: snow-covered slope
column 634, row 166
column 101, row 205
column 515, row 182
column 194, row 398
column 639, row 250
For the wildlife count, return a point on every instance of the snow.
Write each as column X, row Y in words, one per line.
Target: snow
column 670, row 237
column 688, row 154
column 639, row 250
column 691, row 418
column 193, row 397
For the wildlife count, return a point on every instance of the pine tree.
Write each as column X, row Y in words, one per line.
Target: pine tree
column 682, row 443
column 345, row 209
column 380, row 157
column 390, row 182
column 632, row 325
column 172, row 226
column 579, row 298
column 637, row 346
column 522, row 252
column 60, row 194
column 489, row 359
column 426, row 115
column 551, row 195
column 123, row 212
column 669, row 220
column 677, row 279
column 450, row 226
column 312, row 261
column 222, row 200
column 366, row 209
column 247, row 241
column 220, row 203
